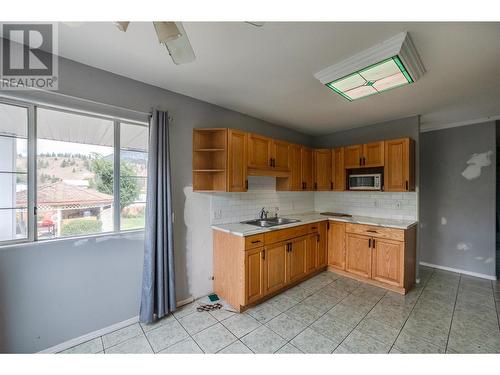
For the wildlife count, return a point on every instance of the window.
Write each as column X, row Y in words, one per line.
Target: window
column 13, row 172
column 74, row 193
column 79, row 161
column 133, row 175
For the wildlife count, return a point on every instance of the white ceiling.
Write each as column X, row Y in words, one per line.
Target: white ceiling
column 267, row 72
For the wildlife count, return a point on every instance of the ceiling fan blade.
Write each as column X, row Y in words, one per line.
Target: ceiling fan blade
column 166, row 31
column 255, row 23
column 180, row 49
column 122, row 26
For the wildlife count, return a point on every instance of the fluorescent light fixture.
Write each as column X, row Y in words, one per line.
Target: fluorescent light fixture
column 388, row 65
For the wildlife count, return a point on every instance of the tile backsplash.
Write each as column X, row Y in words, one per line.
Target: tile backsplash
column 401, row 206
column 235, row 207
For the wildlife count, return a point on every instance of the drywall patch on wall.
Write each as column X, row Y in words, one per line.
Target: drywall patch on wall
column 475, row 163
column 444, row 221
column 462, row 246
column 198, row 255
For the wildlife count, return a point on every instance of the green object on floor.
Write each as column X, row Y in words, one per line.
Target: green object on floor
column 213, row 297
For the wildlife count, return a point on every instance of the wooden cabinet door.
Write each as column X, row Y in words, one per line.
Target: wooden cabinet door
column 254, row 274
column 399, row 165
column 311, row 252
column 236, row 160
column 296, row 265
column 322, row 169
column 259, row 151
column 336, row 245
column 373, row 154
column 307, row 168
column 296, row 167
column 387, row 261
column 322, row 259
column 352, row 156
column 274, row 267
column 338, row 169
column 358, row 255
column 281, row 155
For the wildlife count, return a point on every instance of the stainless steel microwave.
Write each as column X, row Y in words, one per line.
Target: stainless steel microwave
column 365, row 181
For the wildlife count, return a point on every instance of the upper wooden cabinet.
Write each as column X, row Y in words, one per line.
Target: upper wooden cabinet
column 307, row 162
column 259, row 151
column 373, row 155
column 364, row 156
column 399, row 169
column 353, row 156
column 224, row 158
column 338, row 169
column 323, row 169
column 237, row 160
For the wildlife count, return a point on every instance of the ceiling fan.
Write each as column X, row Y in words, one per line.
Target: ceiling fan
column 174, row 37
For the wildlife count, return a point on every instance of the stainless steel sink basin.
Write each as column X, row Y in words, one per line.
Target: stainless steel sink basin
column 264, row 223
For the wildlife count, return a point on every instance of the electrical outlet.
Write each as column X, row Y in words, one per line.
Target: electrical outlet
column 218, row 214
column 398, row 204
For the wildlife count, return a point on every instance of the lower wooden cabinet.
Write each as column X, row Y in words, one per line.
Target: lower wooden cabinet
column 385, row 257
column 336, row 245
column 254, row 274
column 249, row 269
column 275, row 257
column 358, row 255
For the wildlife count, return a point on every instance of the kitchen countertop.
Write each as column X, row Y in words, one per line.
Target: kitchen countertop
column 242, row 230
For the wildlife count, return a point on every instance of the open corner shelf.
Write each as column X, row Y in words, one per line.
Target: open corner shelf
column 209, row 159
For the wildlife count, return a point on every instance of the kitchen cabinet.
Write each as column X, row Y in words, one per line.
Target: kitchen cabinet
column 280, row 154
column 311, row 253
column 236, row 160
column 358, row 255
column 338, row 169
column 210, row 159
column 336, row 245
column 323, row 169
column 373, row 155
column 364, row 156
column 275, row 267
column 259, row 152
column 307, row 167
column 296, row 259
column 399, row 169
column 249, row 269
column 387, row 261
column 254, row 274
column 353, row 156
column 382, row 256
column 322, row 243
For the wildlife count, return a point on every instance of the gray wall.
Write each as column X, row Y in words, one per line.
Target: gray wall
column 53, row 292
column 457, row 215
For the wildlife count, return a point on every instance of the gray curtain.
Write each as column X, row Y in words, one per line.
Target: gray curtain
column 158, row 289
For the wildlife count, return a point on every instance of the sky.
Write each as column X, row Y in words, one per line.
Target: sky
column 44, row 146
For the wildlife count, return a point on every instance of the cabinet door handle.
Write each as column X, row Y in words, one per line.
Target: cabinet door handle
column 305, row 185
column 373, row 243
column 315, row 186
column 407, row 185
column 270, row 162
column 364, row 161
column 331, row 185
column 314, row 228
column 257, row 241
column 264, row 254
column 369, row 243
column 371, row 231
column 246, row 184
column 360, row 161
column 317, row 239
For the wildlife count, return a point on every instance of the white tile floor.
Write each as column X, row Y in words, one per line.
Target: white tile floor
column 446, row 313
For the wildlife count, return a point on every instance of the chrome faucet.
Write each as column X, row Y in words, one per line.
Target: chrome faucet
column 263, row 213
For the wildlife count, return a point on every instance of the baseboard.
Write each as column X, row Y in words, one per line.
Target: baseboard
column 456, row 270
column 100, row 332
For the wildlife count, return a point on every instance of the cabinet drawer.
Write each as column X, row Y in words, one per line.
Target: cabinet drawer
column 314, row 227
column 254, row 241
column 374, row 231
column 285, row 234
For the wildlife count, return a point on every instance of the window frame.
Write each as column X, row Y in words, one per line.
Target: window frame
column 32, row 235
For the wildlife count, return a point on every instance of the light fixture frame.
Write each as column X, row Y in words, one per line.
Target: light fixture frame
column 400, row 46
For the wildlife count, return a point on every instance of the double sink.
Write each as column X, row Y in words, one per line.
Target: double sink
column 265, row 223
